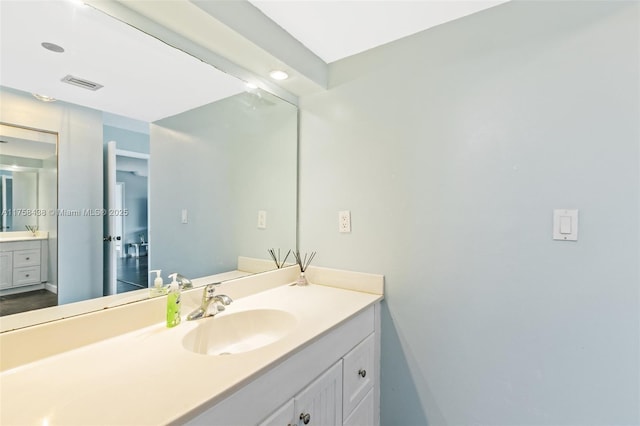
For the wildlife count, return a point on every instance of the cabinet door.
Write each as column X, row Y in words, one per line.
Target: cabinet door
column 359, row 374
column 283, row 416
column 320, row 403
column 362, row 415
column 6, row 269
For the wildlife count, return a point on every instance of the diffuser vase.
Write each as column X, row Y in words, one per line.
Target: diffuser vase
column 302, row 280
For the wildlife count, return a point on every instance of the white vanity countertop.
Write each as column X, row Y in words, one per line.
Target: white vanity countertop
column 147, row 377
column 22, row 236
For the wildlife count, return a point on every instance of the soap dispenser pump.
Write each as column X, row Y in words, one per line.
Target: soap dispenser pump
column 173, row 302
column 157, row 289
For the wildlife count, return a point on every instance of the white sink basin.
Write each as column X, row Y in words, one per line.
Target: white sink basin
column 227, row 334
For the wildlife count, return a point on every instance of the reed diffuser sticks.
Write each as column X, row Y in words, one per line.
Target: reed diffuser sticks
column 276, row 259
column 304, row 263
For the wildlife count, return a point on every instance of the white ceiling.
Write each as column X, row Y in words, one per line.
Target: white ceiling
column 142, row 77
column 336, row 29
column 147, row 80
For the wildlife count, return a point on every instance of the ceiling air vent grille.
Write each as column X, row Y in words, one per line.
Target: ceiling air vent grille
column 80, row 82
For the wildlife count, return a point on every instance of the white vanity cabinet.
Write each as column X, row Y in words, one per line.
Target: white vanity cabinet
column 6, row 269
column 22, row 263
column 330, row 382
column 284, row 416
column 343, row 395
column 320, row 403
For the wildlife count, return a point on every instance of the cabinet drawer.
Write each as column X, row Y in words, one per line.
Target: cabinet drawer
column 27, row 275
column 26, row 258
column 358, row 374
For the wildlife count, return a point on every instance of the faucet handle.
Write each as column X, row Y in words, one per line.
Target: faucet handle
column 184, row 282
column 224, row 299
column 209, row 290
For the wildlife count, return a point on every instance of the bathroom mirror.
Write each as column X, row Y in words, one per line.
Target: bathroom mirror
column 28, row 166
column 219, row 155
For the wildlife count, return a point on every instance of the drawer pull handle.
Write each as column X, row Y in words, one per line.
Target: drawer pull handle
column 362, row 373
column 27, row 275
column 306, row 418
column 28, row 258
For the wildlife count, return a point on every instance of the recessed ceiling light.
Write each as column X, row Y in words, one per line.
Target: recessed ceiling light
column 52, row 47
column 251, row 86
column 43, row 98
column 278, row 75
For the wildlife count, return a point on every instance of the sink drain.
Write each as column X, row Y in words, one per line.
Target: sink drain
column 224, row 353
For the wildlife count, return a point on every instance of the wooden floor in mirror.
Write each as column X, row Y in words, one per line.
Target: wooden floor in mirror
column 132, row 275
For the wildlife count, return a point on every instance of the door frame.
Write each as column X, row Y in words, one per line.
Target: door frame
column 110, row 186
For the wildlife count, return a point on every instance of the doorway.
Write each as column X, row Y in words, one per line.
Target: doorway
column 127, row 222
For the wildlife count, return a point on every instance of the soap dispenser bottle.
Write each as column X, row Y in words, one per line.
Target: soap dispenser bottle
column 157, row 289
column 173, row 302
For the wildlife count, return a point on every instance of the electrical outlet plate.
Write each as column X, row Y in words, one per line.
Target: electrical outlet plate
column 262, row 219
column 344, row 221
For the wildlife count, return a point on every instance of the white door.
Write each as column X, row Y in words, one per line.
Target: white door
column 111, row 236
column 119, row 207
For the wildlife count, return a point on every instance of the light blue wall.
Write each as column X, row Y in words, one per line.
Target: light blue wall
column 451, row 148
column 127, row 140
column 78, row 238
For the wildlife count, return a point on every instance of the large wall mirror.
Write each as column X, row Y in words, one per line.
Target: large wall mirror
column 158, row 161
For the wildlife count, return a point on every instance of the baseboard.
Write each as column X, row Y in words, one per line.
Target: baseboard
column 22, row 289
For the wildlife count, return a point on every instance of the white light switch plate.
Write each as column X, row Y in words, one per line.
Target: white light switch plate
column 262, row 219
column 185, row 216
column 565, row 225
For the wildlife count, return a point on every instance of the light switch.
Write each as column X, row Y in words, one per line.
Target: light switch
column 565, row 225
column 185, row 216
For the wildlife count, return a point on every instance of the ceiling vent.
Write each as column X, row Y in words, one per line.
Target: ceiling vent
column 80, row 82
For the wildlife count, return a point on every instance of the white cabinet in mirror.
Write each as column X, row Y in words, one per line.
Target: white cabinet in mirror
column 188, row 138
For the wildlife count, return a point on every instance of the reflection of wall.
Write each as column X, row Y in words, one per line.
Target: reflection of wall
column 451, row 148
column 48, row 200
column 126, row 139
column 25, row 196
column 222, row 162
column 78, row 238
column 6, row 199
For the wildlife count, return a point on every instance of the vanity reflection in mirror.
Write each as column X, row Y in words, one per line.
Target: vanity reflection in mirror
column 28, row 194
column 28, row 166
column 163, row 161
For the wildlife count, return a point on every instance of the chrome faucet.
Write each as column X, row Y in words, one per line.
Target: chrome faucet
column 184, row 282
column 211, row 304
